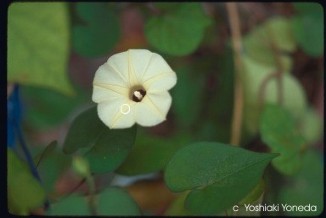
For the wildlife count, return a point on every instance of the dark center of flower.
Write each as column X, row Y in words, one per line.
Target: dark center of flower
column 137, row 94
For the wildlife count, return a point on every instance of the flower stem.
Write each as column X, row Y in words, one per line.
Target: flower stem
column 238, row 91
column 92, row 197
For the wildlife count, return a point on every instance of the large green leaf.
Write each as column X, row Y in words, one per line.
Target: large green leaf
column 97, row 30
column 270, row 39
column 24, row 191
column 111, row 149
column 254, row 74
column 307, row 187
column 308, row 28
column 84, row 131
column 38, row 45
column 51, row 163
column 279, row 132
column 104, row 148
column 151, row 154
column 219, row 175
column 179, row 30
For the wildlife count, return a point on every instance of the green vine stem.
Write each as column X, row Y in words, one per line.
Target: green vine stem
column 277, row 75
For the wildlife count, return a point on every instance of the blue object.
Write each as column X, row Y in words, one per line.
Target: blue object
column 14, row 118
column 14, row 115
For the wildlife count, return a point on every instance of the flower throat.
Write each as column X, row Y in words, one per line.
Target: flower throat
column 137, row 94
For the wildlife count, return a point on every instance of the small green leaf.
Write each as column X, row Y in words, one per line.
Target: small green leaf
column 73, row 205
column 151, row 154
column 278, row 131
column 308, row 28
column 117, row 202
column 270, row 39
column 307, row 187
column 219, row 175
column 98, row 29
column 179, row 30
column 84, row 131
column 111, row 149
column 24, row 191
column 38, row 45
column 50, row 164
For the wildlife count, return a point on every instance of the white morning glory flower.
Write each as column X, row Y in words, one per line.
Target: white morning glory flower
column 132, row 87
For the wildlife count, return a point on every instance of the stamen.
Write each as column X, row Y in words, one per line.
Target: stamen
column 138, row 95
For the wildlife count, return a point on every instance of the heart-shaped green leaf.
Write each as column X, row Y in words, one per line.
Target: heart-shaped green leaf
column 84, row 131
column 111, row 149
column 279, row 132
column 219, row 175
column 307, row 187
column 105, row 148
column 38, row 45
column 270, row 39
column 97, row 29
column 308, row 28
column 179, row 30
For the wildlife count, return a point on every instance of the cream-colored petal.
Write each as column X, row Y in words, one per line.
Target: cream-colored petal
column 115, row 113
column 107, row 75
column 114, row 89
column 140, row 60
column 102, row 93
column 121, row 63
column 162, row 82
column 125, row 120
column 153, row 109
column 157, row 66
